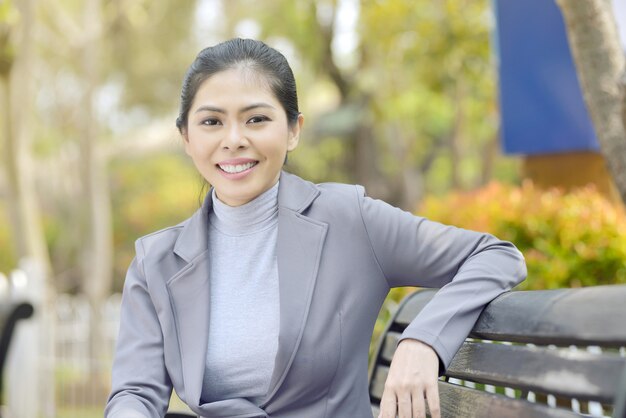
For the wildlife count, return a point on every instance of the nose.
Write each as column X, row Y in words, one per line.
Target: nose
column 234, row 138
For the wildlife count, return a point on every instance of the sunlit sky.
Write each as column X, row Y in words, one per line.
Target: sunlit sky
column 209, row 18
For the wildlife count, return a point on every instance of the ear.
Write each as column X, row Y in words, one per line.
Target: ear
column 294, row 133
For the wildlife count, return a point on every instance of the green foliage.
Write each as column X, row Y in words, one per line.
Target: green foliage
column 428, row 69
column 8, row 18
column 568, row 239
column 318, row 162
column 148, row 49
column 150, row 194
column 420, row 73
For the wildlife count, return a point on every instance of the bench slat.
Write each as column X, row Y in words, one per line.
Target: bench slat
column 581, row 375
column 573, row 374
column 459, row 401
column 584, row 316
column 620, row 401
column 389, row 345
column 377, row 382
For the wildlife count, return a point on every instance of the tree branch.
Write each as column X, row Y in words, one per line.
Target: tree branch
column 328, row 63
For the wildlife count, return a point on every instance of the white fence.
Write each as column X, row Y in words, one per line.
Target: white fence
column 50, row 370
column 82, row 381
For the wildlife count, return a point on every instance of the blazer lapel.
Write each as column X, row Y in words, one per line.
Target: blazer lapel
column 299, row 247
column 189, row 296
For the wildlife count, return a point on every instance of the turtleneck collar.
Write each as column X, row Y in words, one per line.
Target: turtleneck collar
column 254, row 216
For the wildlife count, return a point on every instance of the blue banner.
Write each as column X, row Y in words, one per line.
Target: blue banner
column 541, row 102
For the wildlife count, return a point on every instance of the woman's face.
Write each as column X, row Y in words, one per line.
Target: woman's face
column 237, row 135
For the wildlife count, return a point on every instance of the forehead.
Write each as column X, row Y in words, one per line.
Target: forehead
column 234, row 84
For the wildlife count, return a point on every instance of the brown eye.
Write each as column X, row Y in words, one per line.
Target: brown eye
column 210, row 122
column 258, row 119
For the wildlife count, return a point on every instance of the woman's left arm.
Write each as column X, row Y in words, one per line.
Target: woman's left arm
column 469, row 267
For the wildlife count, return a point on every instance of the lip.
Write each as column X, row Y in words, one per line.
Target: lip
column 236, row 161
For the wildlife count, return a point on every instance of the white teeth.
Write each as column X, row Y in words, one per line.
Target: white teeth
column 237, row 168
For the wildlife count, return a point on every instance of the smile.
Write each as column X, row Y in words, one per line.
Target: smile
column 237, row 168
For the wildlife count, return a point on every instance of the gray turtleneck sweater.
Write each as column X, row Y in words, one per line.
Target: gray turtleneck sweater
column 244, row 302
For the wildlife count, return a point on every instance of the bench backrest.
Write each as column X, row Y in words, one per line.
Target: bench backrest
column 10, row 313
column 530, row 354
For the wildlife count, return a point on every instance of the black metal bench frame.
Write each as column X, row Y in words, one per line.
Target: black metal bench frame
column 10, row 313
column 554, row 345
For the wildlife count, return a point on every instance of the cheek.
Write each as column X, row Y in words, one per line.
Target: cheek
column 199, row 146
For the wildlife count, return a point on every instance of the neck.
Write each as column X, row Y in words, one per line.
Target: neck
column 254, row 216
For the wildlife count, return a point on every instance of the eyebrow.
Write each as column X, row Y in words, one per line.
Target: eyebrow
column 242, row 110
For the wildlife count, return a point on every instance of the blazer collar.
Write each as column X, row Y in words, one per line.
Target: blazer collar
column 294, row 194
column 193, row 239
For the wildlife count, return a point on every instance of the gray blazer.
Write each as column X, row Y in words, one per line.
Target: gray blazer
column 339, row 252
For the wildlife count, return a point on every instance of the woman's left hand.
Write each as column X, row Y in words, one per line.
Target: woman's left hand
column 412, row 379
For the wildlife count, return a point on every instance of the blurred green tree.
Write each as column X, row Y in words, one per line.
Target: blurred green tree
column 17, row 22
column 399, row 96
column 96, row 55
column 414, row 100
column 65, row 64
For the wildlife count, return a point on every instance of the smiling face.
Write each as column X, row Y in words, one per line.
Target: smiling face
column 238, row 136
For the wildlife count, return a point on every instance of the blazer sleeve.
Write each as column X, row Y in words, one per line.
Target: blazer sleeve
column 140, row 387
column 469, row 267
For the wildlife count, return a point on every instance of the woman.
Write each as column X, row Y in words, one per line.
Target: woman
column 262, row 304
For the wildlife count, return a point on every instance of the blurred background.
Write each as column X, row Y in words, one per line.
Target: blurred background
column 468, row 112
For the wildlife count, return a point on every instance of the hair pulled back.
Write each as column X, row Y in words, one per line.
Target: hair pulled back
column 246, row 53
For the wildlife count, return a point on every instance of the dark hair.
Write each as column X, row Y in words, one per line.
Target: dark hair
column 248, row 53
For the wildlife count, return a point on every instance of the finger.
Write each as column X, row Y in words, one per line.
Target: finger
column 388, row 405
column 417, row 404
column 432, row 396
column 404, row 405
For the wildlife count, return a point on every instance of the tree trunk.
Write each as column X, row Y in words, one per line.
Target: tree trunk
column 454, row 142
column 406, row 186
column 600, row 63
column 98, row 251
column 17, row 93
column 489, row 153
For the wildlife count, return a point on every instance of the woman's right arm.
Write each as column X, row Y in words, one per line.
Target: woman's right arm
column 140, row 385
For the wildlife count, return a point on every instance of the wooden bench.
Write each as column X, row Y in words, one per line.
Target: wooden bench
column 10, row 313
column 547, row 353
